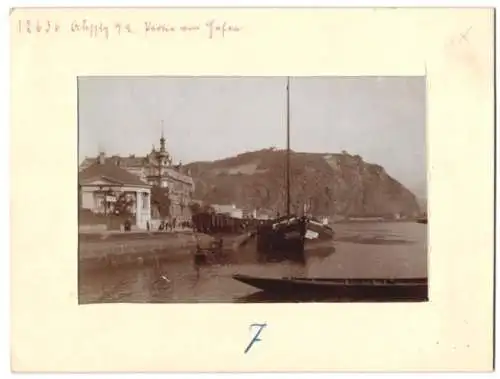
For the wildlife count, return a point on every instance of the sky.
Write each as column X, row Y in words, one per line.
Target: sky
column 382, row 119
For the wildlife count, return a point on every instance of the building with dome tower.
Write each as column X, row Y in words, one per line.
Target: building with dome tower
column 167, row 180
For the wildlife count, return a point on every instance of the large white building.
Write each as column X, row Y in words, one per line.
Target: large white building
column 106, row 189
column 157, row 169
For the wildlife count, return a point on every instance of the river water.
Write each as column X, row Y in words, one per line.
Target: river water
column 383, row 250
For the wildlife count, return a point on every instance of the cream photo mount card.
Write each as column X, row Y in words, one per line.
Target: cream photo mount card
column 273, row 189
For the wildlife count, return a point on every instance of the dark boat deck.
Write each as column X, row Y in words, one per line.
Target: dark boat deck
column 333, row 281
column 370, row 287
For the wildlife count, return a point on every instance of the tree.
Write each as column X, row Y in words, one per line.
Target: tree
column 197, row 208
column 161, row 199
column 124, row 205
column 194, row 208
column 207, row 208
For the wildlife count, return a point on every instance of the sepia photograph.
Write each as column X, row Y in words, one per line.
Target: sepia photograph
column 252, row 189
column 190, row 193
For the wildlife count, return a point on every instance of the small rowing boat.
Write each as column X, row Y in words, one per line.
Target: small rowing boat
column 287, row 285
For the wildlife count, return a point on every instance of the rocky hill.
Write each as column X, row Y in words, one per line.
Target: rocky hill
column 340, row 184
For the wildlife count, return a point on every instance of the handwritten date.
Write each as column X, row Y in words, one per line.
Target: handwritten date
column 37, row 26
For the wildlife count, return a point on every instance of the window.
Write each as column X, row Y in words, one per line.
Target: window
column 145, row 201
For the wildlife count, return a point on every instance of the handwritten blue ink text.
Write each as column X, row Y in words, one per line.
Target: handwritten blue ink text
column 256, row 336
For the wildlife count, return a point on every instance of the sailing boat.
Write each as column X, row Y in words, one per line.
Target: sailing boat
column 286, row 237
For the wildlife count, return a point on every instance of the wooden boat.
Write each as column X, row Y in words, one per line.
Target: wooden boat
column 286, row 236
column 422, row 220
column 289, row 238
column 416, row 287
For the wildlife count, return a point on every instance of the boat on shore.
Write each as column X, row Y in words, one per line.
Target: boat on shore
column 400, row 287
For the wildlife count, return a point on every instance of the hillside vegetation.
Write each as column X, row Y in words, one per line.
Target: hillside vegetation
column 332, row 184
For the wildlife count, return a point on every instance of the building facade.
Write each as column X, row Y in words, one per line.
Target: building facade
column 109, row 190
column 241, row 213
column 228, row 210
column 157, row 169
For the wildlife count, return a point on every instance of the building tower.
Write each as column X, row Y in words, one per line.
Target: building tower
column 101, row 156
column 163, row 158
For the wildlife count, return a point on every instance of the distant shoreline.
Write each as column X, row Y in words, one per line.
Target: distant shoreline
column 373, row 221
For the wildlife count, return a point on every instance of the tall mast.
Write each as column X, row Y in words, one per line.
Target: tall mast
column 287, row 146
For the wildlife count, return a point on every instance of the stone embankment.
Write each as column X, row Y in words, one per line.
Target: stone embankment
column 113, row 248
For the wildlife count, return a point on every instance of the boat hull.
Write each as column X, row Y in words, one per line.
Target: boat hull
column 289, row 238
column 403, row 288
column 284, row 241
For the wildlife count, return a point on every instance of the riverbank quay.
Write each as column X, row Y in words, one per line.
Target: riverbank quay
column 118, row 248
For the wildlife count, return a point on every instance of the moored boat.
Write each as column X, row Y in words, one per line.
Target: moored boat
column 413, row 287
column 286, row 237
column 289, row 238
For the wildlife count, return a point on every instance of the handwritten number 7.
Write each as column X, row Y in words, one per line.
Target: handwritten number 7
column 256, row 336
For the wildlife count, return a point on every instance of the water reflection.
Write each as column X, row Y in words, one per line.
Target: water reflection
column 184, row 280
column 265, row 297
